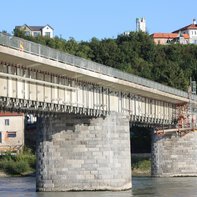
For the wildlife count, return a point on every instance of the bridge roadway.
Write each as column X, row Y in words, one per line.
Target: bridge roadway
column 86, row 146
column 36, row 78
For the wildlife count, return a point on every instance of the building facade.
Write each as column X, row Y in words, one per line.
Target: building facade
column 11, row 131
column 184, row 35
column 191, row 30
column 169, row 38
column 34, row 31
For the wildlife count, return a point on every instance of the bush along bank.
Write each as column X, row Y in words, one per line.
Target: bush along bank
column 141, row 166
column 21, row 164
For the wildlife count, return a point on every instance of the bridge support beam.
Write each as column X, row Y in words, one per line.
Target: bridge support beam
column 83, row 153
column 174, row 155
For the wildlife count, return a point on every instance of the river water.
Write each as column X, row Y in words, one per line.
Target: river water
column 142, row 187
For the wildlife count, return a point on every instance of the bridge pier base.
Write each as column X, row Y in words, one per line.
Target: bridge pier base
column 83, row 153
column 174, row 155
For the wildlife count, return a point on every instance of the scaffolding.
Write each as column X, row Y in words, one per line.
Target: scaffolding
column 185, row 116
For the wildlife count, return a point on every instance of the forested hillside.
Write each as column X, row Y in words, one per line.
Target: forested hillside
column 136, row 53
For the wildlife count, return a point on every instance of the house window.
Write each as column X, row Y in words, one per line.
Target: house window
column 36, row 34
column 47, row 34
column 27, row 33
column 7, row 122
column 11, row 134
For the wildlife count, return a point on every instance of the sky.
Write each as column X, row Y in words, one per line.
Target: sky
column 85, row 19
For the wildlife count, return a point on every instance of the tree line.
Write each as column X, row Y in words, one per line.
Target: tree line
column 136, row 53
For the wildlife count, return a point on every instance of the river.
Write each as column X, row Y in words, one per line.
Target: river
column 142, row 187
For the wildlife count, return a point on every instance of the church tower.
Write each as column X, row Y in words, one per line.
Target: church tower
column 141, row 24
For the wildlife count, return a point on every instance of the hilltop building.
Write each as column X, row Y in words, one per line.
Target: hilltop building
column 168, row 38
column 34, row 31
column 191, row 30
column 141, row 24
column 184, row 35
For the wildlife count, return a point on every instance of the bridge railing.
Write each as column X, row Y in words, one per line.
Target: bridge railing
column 49, row 53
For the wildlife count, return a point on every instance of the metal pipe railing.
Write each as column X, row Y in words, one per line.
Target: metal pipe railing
column 174, row 130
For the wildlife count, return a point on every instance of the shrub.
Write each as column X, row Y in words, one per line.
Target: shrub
column 18, row 164
column 20, row 167
column 4, row 164
column 141, row 163
column 144, row 165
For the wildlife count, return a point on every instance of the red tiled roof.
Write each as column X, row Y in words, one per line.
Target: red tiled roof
column 10, row 114
column 191, row 26
column 169, row 35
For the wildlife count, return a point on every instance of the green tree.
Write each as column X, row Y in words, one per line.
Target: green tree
column 135, row 53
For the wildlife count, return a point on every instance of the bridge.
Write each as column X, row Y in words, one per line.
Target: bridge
column 84, row 110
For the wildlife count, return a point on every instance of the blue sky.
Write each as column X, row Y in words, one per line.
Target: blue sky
column 84, row 19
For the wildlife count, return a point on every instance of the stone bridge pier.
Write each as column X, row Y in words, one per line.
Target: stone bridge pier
column 174, row 155
column 76, row 152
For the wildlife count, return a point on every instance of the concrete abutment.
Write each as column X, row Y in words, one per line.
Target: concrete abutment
column 83, row 153
column 174, row 155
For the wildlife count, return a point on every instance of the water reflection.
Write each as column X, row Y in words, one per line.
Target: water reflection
column 142, row 187
column 165, row 187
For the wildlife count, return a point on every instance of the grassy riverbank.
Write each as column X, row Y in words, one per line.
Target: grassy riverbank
column 141, row 166
column 21, row 164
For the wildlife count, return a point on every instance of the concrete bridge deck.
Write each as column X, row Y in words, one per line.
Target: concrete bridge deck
column 58, row 82
column 38, row 57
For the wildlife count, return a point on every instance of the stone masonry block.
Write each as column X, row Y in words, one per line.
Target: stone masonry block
column 175, row 155
column 93, row 155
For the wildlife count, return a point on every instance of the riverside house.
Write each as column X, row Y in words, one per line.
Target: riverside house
column 11, row 131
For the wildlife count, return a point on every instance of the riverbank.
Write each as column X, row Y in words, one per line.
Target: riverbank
column 3, row 174
column 28, row 174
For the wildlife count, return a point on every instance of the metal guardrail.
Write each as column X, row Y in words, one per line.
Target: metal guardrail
column 49, row 53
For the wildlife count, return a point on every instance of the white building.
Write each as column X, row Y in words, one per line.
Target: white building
column 191, row 30
column 34, row 31
column 11, row 131
column 141, row 24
